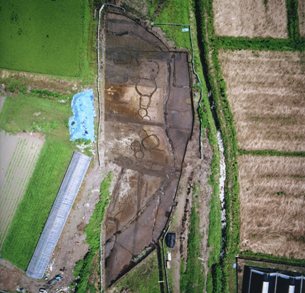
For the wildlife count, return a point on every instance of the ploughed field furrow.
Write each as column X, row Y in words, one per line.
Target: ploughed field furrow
column 16, row 180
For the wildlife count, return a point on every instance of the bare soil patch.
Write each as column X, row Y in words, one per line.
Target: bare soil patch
column 2, row 100
column 18, row 156
column 301, row 11
column 266, row 95
column 148, row 122
column 250, row 18
column 272, row 205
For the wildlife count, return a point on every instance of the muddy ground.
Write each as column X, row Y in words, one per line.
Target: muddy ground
column 148, row 122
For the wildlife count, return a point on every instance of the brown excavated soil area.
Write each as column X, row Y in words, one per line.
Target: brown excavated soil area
column 301, row 11
column 250, row 18
column 272, row 205
column 266, row 95
column 148, row 122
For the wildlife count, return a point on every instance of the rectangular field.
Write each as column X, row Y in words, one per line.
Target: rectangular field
column 18, row 156
column 44, row 36
column 301, row 11
column 250, row 18
column 47, row 115
column 266, row 95
column 272, row 205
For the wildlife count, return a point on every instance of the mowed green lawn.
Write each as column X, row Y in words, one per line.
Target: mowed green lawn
column 45, row 36
column 48, row 116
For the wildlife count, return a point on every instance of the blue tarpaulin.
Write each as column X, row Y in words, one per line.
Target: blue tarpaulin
column 81, row 124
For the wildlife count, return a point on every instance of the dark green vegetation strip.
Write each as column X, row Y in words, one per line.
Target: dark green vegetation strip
column 270, row 153
column 208, row 44
column 45, row 36
column 272, row 258
column 143, row 278
column 293, row 20
column 36, row 204
column 239, row 43
column 192, row 278
column 88, row 269
column 49, row 116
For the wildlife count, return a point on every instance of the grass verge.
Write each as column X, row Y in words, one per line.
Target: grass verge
column 175, row 11
column 88, row 269
column 143, row 278
column 191, row 279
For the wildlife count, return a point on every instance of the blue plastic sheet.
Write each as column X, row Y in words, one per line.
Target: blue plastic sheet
column 81, row 124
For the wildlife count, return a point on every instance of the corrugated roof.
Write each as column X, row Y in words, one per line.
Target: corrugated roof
column 58, row 215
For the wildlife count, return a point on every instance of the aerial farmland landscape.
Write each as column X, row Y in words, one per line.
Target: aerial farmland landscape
column 152, row 146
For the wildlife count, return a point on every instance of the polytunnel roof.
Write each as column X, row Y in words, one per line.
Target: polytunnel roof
column 58, row 215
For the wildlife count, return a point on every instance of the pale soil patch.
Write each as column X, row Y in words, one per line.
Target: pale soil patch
column 2, row 100
column 272, row 205
column 266, row 95
column 250, row 18
column 18, row 156
column 301, row 11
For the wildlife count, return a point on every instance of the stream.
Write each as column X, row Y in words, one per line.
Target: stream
column 222, row 167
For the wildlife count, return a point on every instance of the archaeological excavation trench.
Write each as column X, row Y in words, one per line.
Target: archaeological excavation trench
column 148, row 122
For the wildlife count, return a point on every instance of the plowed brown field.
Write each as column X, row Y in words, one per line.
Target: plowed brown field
column 250, row 18
column 272, row 205
column 266, row 95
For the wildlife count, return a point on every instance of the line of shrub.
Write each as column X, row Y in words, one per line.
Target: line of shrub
column 191, row 279
column 270, row 153
column 271, row 258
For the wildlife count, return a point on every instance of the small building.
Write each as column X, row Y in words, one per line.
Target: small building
column 264, row 280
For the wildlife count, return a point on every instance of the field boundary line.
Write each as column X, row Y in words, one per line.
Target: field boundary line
column 260, row 44
column 271, row 153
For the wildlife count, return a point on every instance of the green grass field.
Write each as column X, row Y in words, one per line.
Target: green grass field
column 46, row 115
column 192, row 276
column 50, row 37
column 144, row 278
column 175, row 11
column 34, row 113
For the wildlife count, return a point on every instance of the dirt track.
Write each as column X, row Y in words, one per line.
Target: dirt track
column 148, row 122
